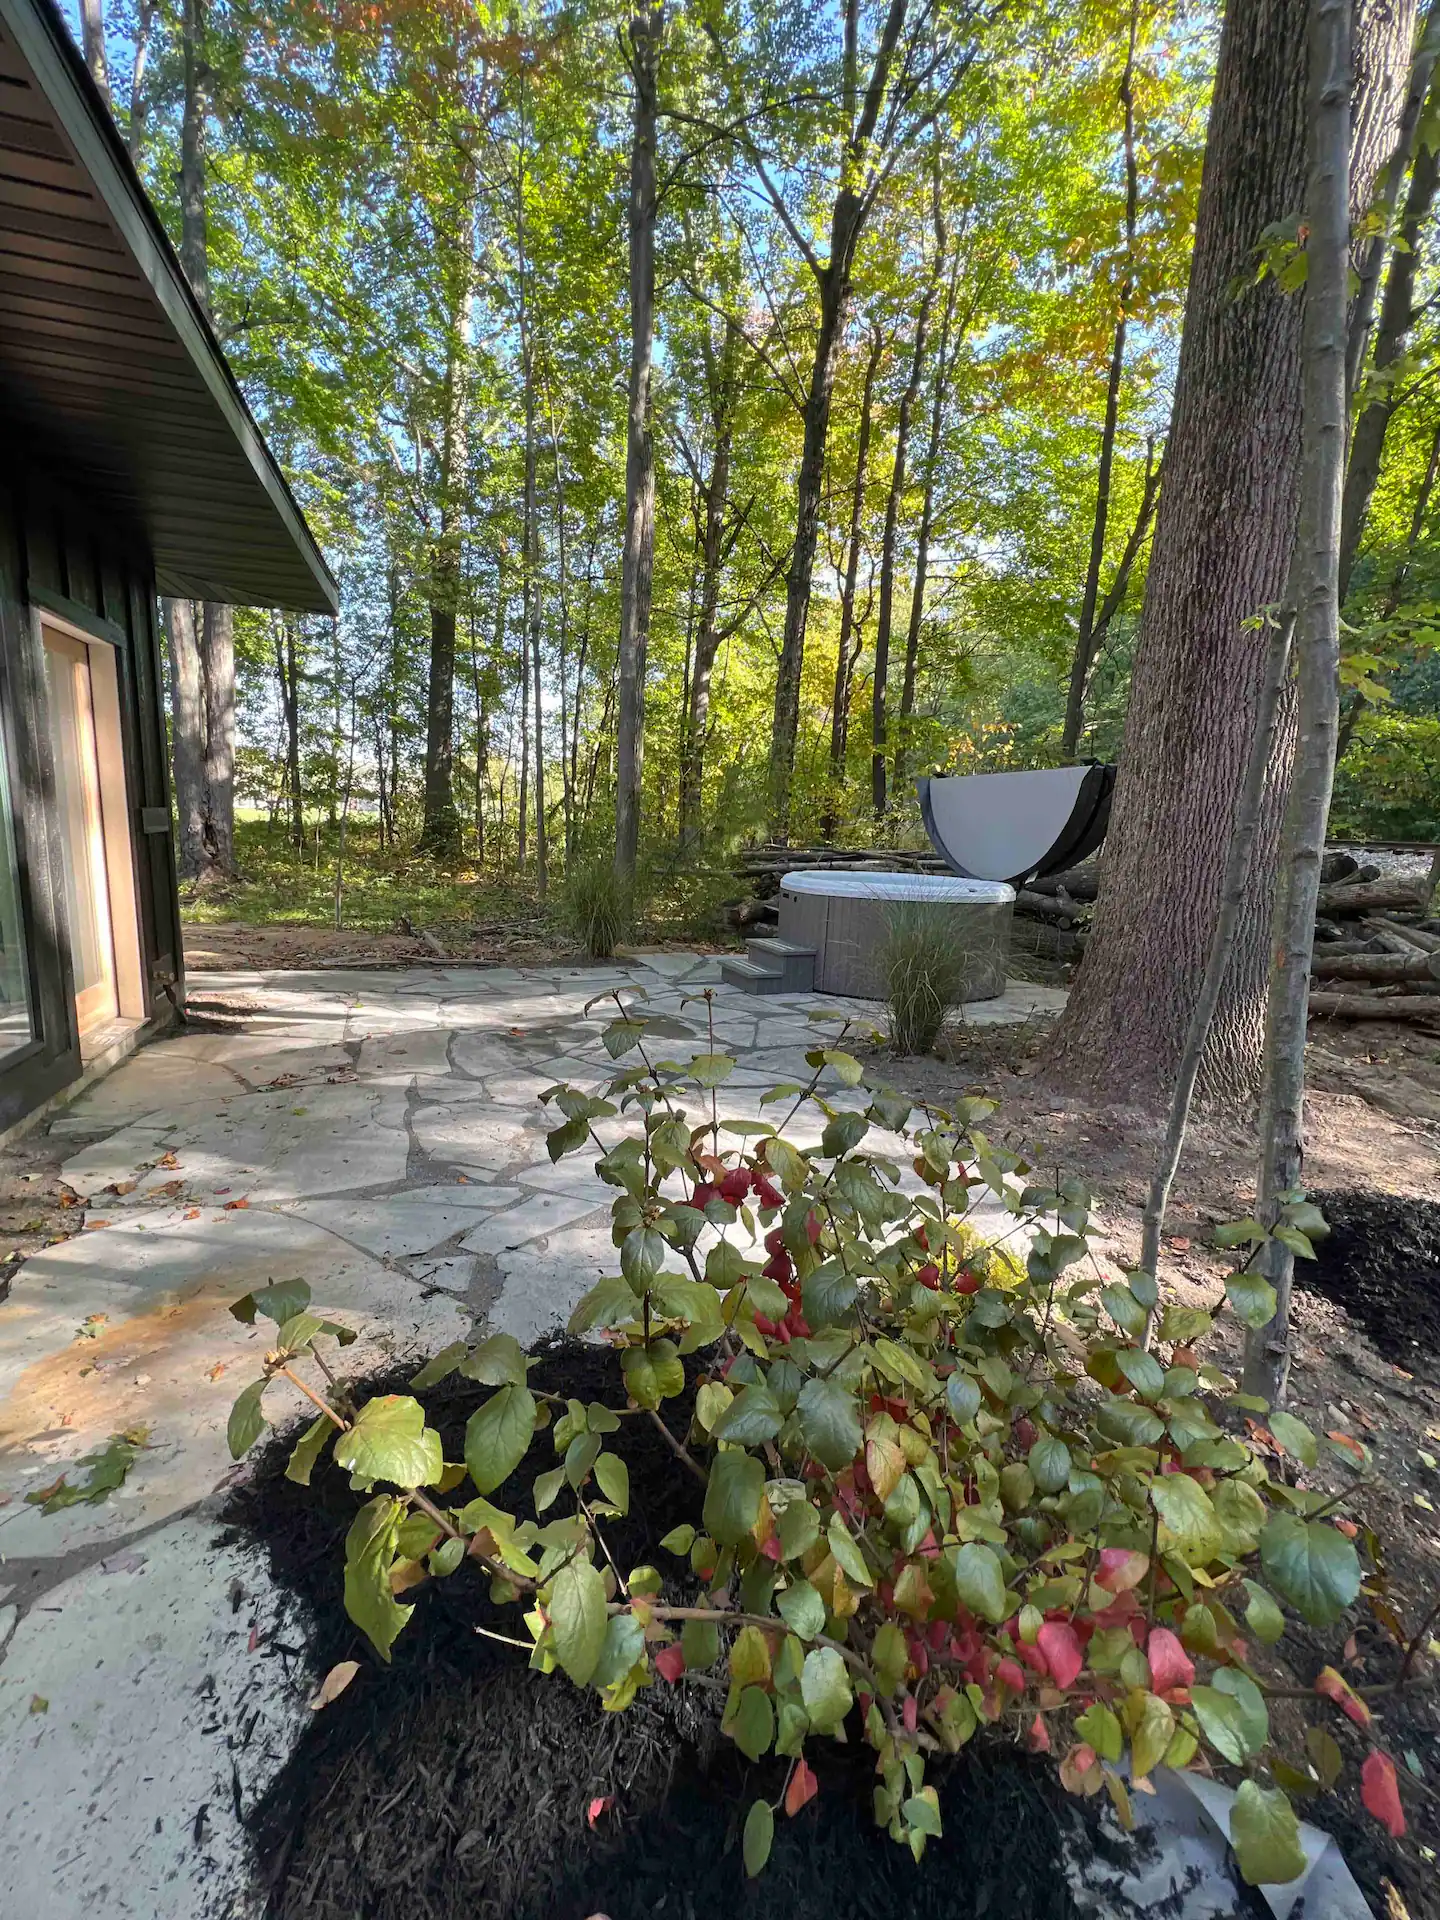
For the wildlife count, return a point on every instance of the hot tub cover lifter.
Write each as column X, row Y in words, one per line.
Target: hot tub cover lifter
column 1014, row 826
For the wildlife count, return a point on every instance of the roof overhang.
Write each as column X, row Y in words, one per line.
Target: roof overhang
column 109, row 370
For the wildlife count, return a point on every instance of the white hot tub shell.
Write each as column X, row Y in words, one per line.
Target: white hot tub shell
column 846, row 918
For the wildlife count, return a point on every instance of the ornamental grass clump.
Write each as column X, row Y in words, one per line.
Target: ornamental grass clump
column 952, row 1481
column 923, row 967
column 596, row 906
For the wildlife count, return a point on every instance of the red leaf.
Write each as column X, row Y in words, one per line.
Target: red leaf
column 1121, row 1569
column 1013, row 1675
column 598, row 1806
column 670, row 1663
column 231, row 1206
column 1333, row 1687
column 1381, row 1794
column 1039, row 1735
column 802, row 1789
column 1063, row 1653
column 1170, row 1665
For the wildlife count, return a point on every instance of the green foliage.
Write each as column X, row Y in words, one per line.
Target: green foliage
column 919, row 1518
column 924, row 969
column 596, row 905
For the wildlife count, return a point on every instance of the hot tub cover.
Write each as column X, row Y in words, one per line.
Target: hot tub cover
column 1012, row 826
column 922, row 887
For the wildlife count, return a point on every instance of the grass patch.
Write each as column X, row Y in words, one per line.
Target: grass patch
column 596, row 906
column 924, row 969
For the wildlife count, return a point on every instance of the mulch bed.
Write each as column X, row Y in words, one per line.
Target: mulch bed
column 1381, row 1264
column 455, row 1784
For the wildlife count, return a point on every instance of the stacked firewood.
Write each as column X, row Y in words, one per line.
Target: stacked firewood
column 1377, row 952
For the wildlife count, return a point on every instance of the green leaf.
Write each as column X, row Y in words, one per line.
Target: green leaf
column 546, row 1489
column 828, row 1294
column 308, row 1449
column 390, row 1441
column 1142, row 1370
column 1294, row 1436
column 1240, row 1233
column 1265, row 1835
column 725, row 1265
column 622, row 1647
column 1187, row 1519
column 609, row 1303
column 979, row 1580
column 802, row 1610
column 1252, row 1298
column 279, row 1302
column 1099, row 1728
column 614, row 1480
column 441, row 1367
column 622, row 1035
column 1242, row 1515
column 921, row 1812
column 577, row 1619
column 732, row 1496
column 1124, row 1309
column 1262, row 1616
column 751, row 1418
column 1151, row 1726
column 653, row 1373
column 700, row 1643
column 679, row 1540
column 247, row 1420
column 752, row 1725
column 847, row 1555
column 642, row 1254
column 758, row 1837
column 1049, row 1461
column 843, row 1133
column 497, row 1436
column 1311, row 1565
column 710, row 1069
column 825, row 1689
column 962, row 1396
column 369, row 1551
column 497, row 1362
column 846, row 1068
column 565, row 1139
column 829, row 1423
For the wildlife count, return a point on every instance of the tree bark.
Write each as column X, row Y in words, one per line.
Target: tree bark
column 1085, row 641
column 847, row 651
column 135, row 122
column 712, row 555
column 92, row 41
column 1322, row 473
column 187, row 729
column 1397, row 317
column 639, row 549
column 848, row 217
column 1225, row 530
column 288, row 673
column 879, row 796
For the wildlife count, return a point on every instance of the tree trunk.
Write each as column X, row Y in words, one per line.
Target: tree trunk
column 187, row 728
column 440, row 833
column 1397, row 316
column 1085, row 641
column 847, row 651
column 1225, row 531
column 639, row 549
column 92, row 40
column 712, row 556
column 289, row 674
column 879, row 798
column 1322, row 473
column 217, row 659
column 136, row 119
column 194, row 237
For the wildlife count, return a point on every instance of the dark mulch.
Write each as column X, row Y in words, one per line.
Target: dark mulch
column 1381, row 1264
column 455, row 1784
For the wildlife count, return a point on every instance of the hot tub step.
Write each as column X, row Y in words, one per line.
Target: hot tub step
column 797, row 963
column 749, row 977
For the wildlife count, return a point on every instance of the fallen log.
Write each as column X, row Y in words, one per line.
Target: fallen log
column 1369, row 896
column 1081, row 883
column 1367, row 1006
column 1417, row 936
column 1381, row 968
column 1040, row 906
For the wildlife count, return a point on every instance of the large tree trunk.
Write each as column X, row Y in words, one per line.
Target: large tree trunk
column 1085, row 640
column 140, row 60
column 218, row 666
column 1224, row 537
column 847, row 651
column 890, row 540
column 288, row 674
column 639, row 549
column 1317, row 569
column 712, row 560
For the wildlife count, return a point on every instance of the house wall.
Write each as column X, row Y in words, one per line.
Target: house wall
column 62, row 556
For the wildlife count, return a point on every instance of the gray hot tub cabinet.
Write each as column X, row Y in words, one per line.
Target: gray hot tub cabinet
column 845, row 918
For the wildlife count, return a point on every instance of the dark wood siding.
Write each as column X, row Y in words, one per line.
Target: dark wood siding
column 57, row 556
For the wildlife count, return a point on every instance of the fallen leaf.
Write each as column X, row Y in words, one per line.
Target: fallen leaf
column 601, row 1804
column 1347, row 1441
column 38, row 1703
column 92, row 1224
column 92, row 1326
column 191, row 1213
column 122, row 1187
column 167, row 1160
column 231, row 1206
column 215, row 1372
column 1381, row 1793
column 334, row 1684
column 254, row 1639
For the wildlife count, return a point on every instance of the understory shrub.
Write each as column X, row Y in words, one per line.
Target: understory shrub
column 596, row 905
column 923, row 966
column 957, row 1476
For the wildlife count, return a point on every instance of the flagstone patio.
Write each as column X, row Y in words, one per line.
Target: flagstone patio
column 380, row 1136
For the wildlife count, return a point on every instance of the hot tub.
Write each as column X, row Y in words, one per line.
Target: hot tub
column 846, row 917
